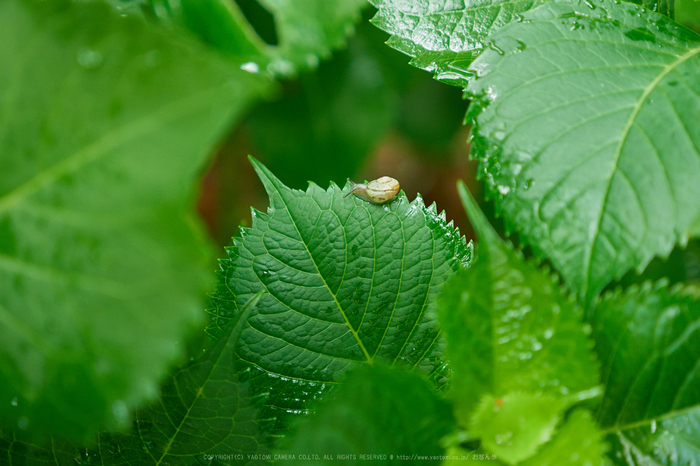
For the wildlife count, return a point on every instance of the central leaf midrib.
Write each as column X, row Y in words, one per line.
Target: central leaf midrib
column 200, row 390
column 618, row 154
column 323, row 279
column 647, row 421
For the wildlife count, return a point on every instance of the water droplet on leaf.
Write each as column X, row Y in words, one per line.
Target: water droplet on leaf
column 89, row 59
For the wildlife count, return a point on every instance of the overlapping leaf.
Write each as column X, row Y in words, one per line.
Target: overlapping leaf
column 670, row 442
column 348, row 282
column 445, row 36
column 103, row 126
column 648, row 341
column 586, row 127
column 205, row 412
column 578, row 442
column 390, row 414
column 307, row 31
column 518, row 349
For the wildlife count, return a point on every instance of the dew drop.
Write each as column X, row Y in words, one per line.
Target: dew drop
column 14, row 401
column 23, row 422
column 653, row 426
column 120, row 412
column 503, row 190
column 89, row 59
column 250, row 67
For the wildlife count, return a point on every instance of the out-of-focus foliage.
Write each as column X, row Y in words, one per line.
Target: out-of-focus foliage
column 103, row 129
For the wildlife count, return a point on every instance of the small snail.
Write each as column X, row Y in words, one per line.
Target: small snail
column 377, row 191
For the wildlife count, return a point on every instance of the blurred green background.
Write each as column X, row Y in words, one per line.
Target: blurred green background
column 362, row 114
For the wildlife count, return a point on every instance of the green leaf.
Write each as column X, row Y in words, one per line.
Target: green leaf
column 221, row 24
column 218, row 23
column 670, row 442
column 586, row 130
column 664, row 7
column 577, row 443
column 509, row 327
column 444, row 37
column 204, row 411
column 378, row 411
column 348, row 283
column 104, row 126
column 516, row 345
column 513, row 427
column 648, row 343
column 309, row 30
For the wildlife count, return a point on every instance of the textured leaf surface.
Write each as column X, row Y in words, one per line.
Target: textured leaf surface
column 103, row 126
column 445, row 36
column 348, row 282
column 668, row 443
column 648, row 341
column 509, row 327
column 376, row 411
column 204, row 411
column 516, row 346
column 586, row 127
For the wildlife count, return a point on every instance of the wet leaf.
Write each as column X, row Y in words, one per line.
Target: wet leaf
column 444, row 37
column 348, row 282
column 585, row 128
column 648, row 342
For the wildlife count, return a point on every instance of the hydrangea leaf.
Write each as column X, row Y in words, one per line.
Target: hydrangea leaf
column 670, row 442
column 445, row 36
column 307, row 31
column 514, row 426
column 509, row 327
column 348, row 283
column 578, row 442
column 204, row 411
column 516, row 346
column 648, row 341
column 375, row 411
column 105, row 124
column 585, row 127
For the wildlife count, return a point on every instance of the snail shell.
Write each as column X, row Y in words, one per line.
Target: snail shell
column 377, row 191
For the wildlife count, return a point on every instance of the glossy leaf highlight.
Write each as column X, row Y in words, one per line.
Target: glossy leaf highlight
column 585, row 128
column 445, row 36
